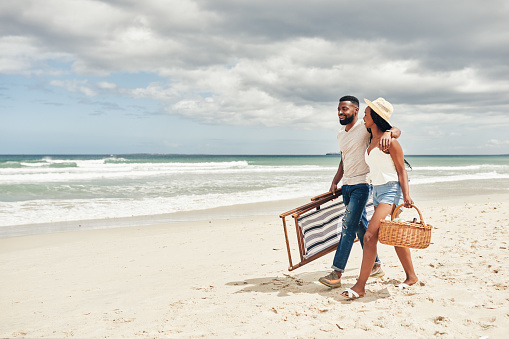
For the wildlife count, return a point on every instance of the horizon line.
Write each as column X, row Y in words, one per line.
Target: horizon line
column 210, row 154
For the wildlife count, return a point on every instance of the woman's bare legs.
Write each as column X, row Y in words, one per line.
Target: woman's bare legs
column 369, row 250
column 406, row 261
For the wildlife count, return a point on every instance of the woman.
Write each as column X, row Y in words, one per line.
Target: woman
column 390, row 185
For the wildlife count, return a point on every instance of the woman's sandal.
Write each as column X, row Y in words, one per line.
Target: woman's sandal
column 403, row 286
column 350, row 294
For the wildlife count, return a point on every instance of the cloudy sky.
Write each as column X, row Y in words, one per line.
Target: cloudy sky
column 249, row 77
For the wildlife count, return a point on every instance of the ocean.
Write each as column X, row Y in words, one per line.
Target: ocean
column 37, row 189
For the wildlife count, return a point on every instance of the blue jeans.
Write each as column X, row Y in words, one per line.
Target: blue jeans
column 355, row 222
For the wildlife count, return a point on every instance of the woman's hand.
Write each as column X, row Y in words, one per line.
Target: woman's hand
column 408, row 202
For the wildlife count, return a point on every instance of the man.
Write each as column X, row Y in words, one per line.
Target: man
column 353, row 141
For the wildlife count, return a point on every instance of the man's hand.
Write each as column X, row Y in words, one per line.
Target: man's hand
column 385, row 141
column 333, row 188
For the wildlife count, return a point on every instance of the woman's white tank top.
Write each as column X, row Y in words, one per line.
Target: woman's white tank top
column 381, row 167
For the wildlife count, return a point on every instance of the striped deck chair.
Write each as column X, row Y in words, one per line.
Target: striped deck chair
column 318, row 227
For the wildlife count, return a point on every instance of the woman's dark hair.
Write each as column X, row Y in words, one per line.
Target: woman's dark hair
column 382, row 125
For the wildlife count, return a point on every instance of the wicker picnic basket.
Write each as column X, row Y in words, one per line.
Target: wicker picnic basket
column 405, row 233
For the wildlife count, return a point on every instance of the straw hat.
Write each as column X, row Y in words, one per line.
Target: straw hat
column 382, row 107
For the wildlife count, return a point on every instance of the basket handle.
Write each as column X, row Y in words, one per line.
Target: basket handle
column 418, row 211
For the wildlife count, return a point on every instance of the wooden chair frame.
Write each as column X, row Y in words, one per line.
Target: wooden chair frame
column 315, row 203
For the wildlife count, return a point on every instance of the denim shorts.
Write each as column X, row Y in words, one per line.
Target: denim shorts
column 388, row 193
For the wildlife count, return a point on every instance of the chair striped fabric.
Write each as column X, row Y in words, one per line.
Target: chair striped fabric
column 318, row 227
column 321, row 228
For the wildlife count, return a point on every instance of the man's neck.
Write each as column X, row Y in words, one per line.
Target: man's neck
column 350, row 125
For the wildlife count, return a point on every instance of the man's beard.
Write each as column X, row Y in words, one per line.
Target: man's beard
column 346, row 121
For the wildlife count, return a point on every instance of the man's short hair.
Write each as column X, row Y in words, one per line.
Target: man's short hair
column 350, row 98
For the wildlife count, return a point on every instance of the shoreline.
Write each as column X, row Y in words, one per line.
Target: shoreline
column 224, row 212
column 229, row 278
column 217, row 213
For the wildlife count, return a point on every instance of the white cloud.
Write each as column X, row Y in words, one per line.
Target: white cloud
column 23, row 55
column 272, row 63
column 156, row 91
column 106, row 85
column 497, row 142
column 75, row 86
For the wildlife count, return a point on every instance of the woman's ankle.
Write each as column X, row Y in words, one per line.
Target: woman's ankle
column 358, row 289
column 411, row 280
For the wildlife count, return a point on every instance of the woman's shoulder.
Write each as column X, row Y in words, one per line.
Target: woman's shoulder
column 395, row 141
column 395, row 146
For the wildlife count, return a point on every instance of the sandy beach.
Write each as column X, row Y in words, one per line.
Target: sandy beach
column 228, row 278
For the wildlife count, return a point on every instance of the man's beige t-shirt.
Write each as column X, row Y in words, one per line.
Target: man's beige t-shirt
column 353, row 145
